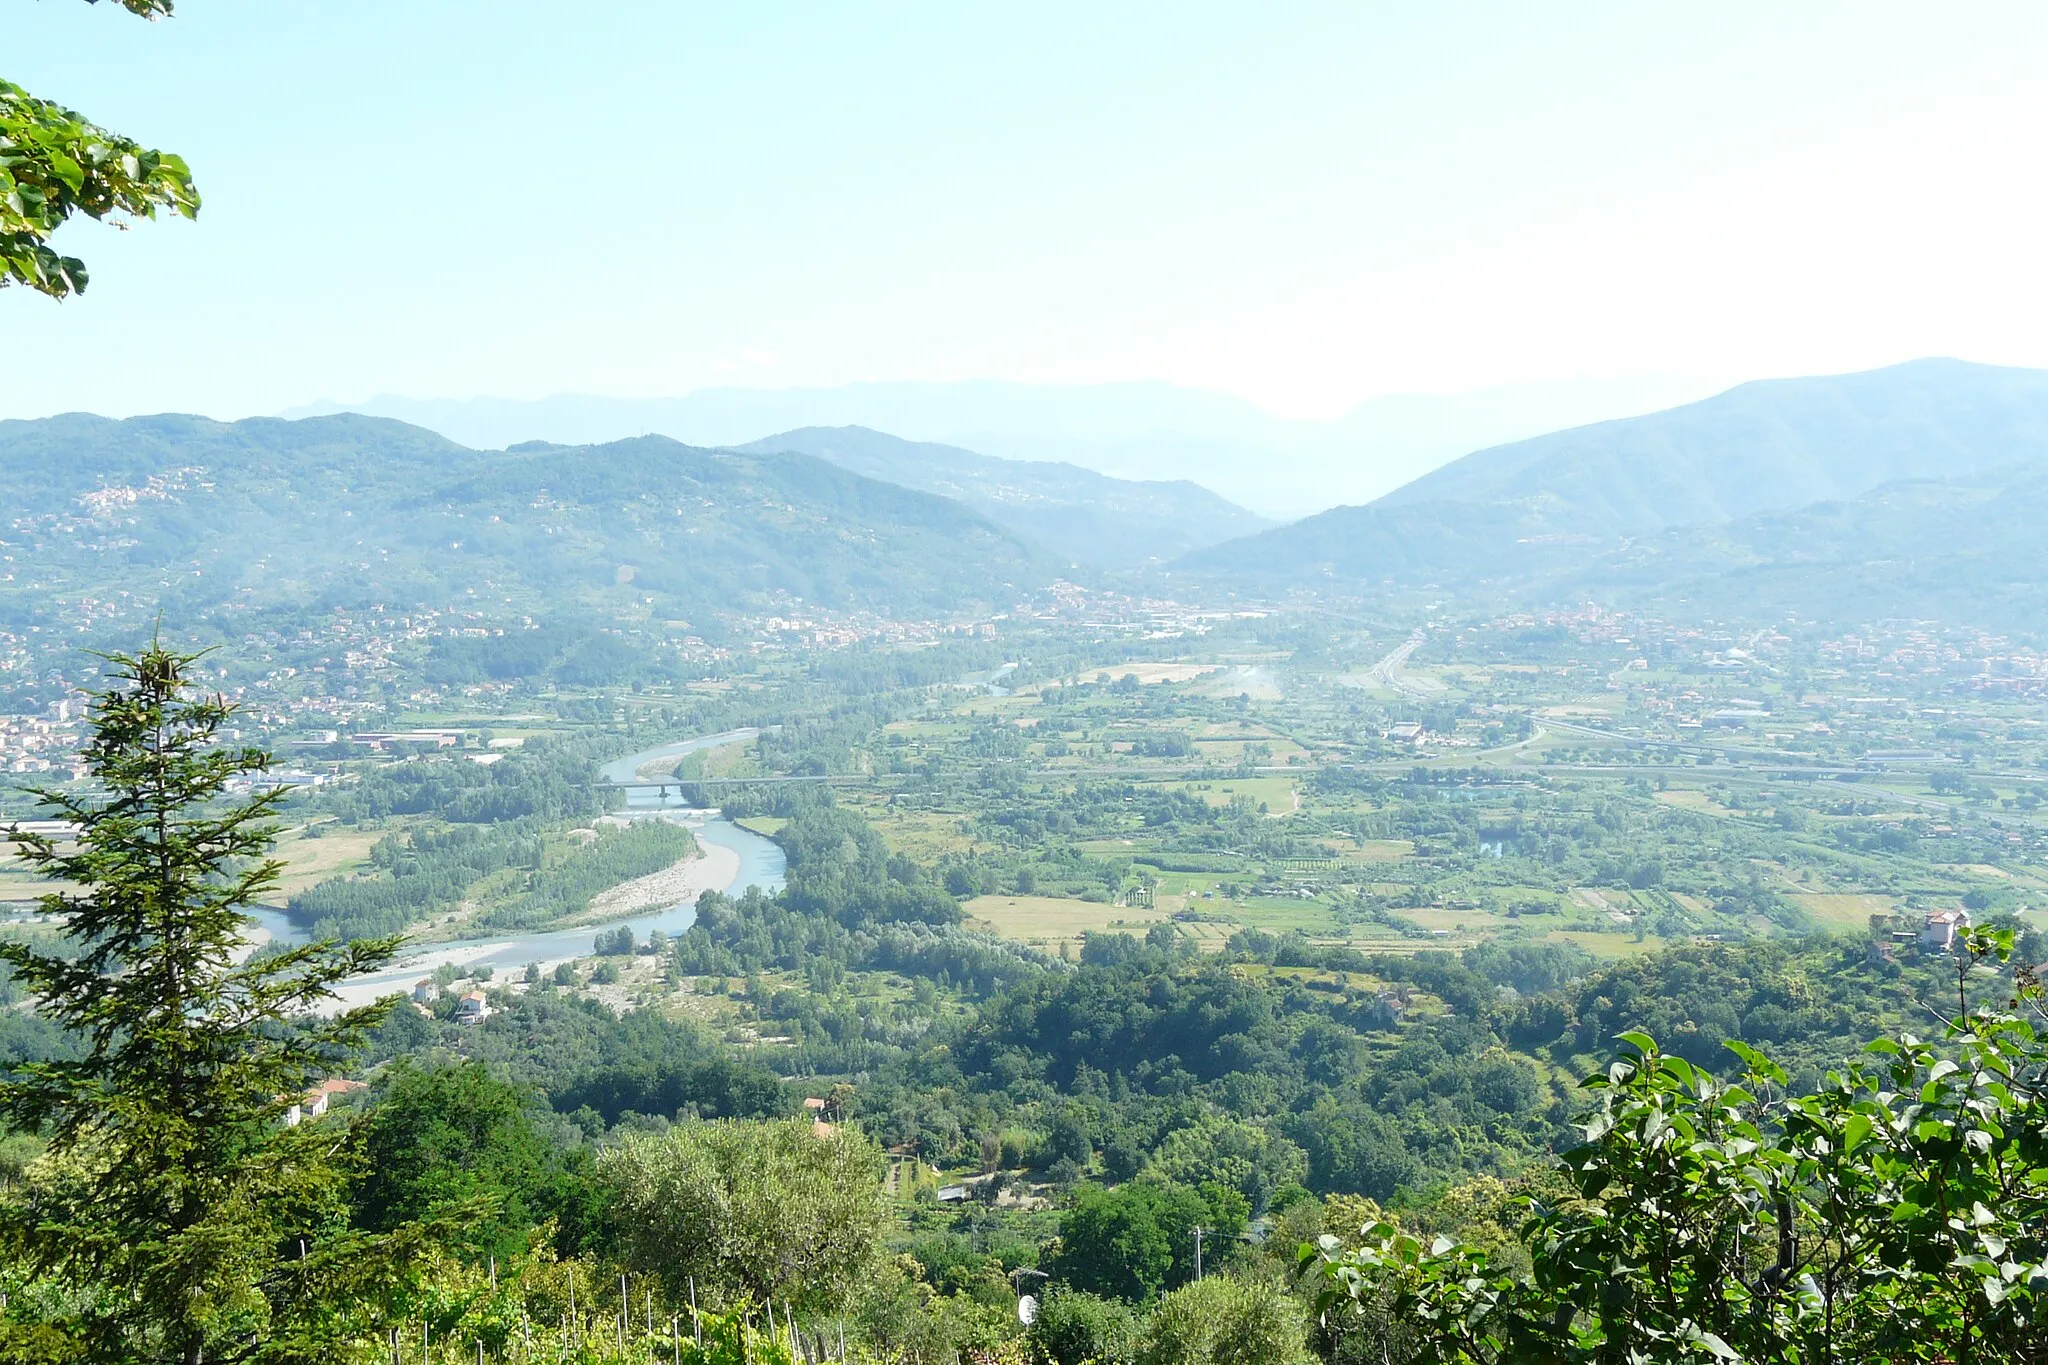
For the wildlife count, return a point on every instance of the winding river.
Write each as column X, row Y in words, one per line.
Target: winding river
column 759, row 863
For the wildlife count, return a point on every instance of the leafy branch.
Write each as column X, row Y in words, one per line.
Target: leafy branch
column 55, row 164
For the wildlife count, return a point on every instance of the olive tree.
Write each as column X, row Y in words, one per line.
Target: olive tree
column 1225, row 1320
column 748, row 1210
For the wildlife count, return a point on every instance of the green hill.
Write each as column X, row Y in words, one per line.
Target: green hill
column 1965, row 549
column 199, row 515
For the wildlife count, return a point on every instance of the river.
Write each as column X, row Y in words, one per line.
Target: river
column 625, row 770
column 755, row 862
column 986, row 680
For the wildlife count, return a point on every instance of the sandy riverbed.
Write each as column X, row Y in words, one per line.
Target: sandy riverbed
column 684, row 880
column 714, row 866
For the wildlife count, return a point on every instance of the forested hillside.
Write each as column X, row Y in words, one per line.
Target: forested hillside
column 1960, row 547
column 200, row 516
column 1763, row 446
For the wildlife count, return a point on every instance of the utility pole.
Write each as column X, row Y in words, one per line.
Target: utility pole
column 1198, row 1253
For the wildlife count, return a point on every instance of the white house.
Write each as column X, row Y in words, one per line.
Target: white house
column 314, row 1102
column 1943, row 928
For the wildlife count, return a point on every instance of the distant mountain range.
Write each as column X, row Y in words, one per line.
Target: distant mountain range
column 1277, row 467
column 1914, row 490
column 1816, row 473
column 205, row 516
column 1083, row 516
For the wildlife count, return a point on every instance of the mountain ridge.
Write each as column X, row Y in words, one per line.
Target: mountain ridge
column 1075, row 512
column 1275, row 466
column 1533, row 510
column 1769, row 443
column 273, row 512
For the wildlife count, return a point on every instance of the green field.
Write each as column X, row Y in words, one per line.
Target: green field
column 1049, row 921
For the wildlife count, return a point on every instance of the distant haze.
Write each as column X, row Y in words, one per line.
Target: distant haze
column 1274, row 466
column 1307, row 206
column 1086, row 517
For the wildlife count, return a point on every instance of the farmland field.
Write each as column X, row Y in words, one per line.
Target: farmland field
column 1048, row 921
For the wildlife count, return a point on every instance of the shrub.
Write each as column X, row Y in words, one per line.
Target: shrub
column 1075, row 1327
column 1223, row 1320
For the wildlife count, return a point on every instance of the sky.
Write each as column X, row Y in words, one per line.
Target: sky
column 1306, row 206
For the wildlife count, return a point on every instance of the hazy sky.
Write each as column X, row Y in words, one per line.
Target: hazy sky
column 1303, row 205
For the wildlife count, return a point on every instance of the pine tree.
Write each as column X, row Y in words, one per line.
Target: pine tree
column 186, row 1220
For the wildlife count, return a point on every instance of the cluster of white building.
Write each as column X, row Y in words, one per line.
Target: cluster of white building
column 44, row 744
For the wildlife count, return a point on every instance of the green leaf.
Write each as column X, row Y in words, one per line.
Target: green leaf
column 58, row 166
column 1721, row 1349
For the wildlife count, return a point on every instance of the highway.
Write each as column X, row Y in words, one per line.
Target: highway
column 1387, row 672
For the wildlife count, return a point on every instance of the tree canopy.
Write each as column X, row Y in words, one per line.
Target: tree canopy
column 1896, row 1213
column 750, row 1211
